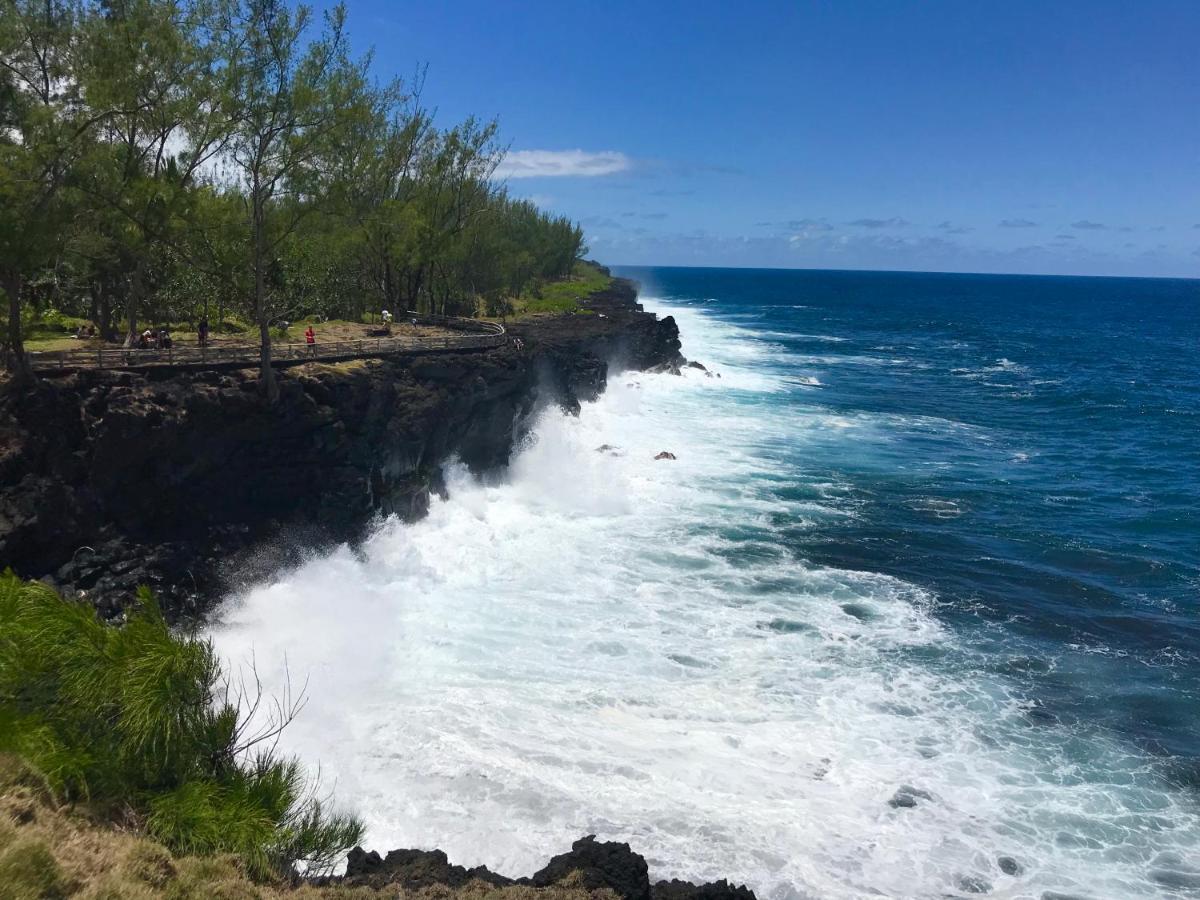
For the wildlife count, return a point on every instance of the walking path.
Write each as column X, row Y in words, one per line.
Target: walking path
column 460, row 334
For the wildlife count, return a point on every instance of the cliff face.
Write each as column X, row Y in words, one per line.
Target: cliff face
column 184, row 481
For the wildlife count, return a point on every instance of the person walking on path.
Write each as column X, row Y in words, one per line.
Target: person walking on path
column 310, row 338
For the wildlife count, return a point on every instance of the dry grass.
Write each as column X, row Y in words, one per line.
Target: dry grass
column 51, row 853
column 333, row 368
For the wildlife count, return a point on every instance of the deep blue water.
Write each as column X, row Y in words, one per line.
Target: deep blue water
column 1035, row 463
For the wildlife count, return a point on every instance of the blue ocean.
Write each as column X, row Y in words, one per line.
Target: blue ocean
column 914, row 613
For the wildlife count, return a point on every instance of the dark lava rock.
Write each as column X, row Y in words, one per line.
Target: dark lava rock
column 1009, row 866
column 665, row 454
column 714, row 890
column 692, row 364
column 412, row 869
column 600, row 865
column 592, row 864
column 360, row 862
column 906, row 797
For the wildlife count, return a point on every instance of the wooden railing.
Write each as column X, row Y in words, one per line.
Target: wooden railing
column 471, row 335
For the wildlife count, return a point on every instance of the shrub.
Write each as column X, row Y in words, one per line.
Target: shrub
column 138, row 719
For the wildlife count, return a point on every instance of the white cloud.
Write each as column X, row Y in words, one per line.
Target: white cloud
column 559, row 163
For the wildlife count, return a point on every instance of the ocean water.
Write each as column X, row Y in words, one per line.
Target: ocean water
column 913, row 614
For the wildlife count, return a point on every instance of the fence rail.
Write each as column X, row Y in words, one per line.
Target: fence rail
column 472, row 335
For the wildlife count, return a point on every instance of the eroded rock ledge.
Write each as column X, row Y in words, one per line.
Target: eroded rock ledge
column 590, row 864
column 190, row 482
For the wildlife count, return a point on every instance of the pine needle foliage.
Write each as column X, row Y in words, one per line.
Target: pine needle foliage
column 139, row 723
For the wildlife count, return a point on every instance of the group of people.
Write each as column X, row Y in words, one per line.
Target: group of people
column 155, row 340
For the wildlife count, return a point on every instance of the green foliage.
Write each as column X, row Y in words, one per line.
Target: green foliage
column 564, row 296
column 134, row 718
column 179, row 160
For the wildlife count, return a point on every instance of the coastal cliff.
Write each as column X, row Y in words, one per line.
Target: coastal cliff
column 190, row 482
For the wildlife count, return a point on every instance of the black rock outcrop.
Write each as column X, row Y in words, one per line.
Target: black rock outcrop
column 413, row 870
column 590, row 864
column 189, row 482
column 600, row 864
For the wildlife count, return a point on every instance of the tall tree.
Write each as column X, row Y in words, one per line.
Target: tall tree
column 286, row 97
column 43, row 126
column 154, row 63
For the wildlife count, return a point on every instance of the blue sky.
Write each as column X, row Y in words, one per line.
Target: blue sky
column 996, row 136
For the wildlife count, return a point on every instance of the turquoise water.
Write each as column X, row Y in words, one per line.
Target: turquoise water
column 912, row 614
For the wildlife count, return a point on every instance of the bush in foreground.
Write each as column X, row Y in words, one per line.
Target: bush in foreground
column 139, row 723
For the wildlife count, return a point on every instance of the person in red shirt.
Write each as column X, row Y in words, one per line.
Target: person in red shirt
column 310, row 338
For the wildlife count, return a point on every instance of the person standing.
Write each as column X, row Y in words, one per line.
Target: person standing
column 310, row 338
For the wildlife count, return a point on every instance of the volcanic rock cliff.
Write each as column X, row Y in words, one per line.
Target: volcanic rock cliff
column 190, row 481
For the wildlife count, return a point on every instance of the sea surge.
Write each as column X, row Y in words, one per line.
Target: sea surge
column 594, row 641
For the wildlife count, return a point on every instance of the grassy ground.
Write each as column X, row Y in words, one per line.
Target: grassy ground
column 552, row 298
column 49, row 853
column 563, row 296
column 44, row 337
column 326, row 332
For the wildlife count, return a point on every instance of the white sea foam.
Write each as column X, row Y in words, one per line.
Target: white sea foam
column 602, row 643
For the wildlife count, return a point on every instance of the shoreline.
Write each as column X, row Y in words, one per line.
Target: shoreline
column 190, row 483
column 492, row 400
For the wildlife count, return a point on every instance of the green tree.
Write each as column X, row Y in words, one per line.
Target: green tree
column 286, row 97
column 43, row 128
column 153, row 63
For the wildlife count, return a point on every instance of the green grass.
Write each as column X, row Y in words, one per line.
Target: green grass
column 564, row 296
column 54, row 332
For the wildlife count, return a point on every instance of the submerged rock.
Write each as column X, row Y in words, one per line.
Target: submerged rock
column 665, row 454
column 692, row 364
column 1009, row 866
column 973, row 884
column 906, row 797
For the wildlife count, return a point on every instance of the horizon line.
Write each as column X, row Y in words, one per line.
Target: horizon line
column 908, row 272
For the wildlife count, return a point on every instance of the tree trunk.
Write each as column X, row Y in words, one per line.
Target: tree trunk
column 266, row 375
column 17, row 360
column 132, row 299
column 95, row 289
column 267, row 384
column 105, row 321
